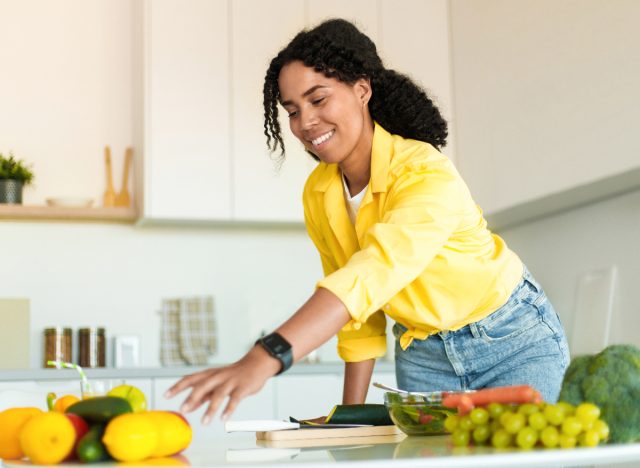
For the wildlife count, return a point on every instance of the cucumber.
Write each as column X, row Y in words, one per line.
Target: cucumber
column 90, row 447
column 100, row 409
column 376, row 415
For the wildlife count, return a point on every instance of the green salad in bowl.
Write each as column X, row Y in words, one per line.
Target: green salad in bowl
column 415, row 416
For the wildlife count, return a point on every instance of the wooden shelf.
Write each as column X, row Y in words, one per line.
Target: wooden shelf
column 50, row 213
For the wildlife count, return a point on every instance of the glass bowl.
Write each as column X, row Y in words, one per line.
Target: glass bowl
column 415, row 416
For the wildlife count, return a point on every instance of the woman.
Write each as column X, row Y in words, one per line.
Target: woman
column 398, row 235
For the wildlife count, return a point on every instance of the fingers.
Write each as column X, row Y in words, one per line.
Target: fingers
column 235, row 398
column 186, row 382
column 203, row 390
column 215, row 400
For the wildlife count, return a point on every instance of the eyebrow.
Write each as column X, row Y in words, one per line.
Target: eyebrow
column 305, row 94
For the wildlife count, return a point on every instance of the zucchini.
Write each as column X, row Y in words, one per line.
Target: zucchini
column 100, row 409
column 90, row 447
column 376, row 415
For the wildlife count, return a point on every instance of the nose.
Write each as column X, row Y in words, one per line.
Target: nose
column 308, row 118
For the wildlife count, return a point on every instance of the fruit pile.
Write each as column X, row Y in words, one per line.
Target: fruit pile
column 529, row 425
column 93, row 430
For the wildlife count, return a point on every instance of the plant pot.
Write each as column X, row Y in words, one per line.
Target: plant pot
column 11, row 191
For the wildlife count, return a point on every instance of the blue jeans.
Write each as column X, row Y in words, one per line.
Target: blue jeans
column 520, row 343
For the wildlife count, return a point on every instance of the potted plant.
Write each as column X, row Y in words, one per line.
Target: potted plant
column 14, row 175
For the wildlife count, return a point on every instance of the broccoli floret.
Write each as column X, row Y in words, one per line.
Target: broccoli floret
column 611, row 380
column 572, row 384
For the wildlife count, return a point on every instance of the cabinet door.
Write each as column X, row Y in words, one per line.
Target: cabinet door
column 362, row 13
column 307, row 396
column 258, row 406
column 414, row 40
column 263, row 191
column 186, row 110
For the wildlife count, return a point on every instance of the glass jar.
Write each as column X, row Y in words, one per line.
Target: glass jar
column 91, row 347
column 58, row 343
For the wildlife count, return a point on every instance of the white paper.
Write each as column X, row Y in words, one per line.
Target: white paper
column 259, row 425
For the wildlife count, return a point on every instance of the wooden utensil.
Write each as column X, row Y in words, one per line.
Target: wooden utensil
column 123, row 198
column 109, row 198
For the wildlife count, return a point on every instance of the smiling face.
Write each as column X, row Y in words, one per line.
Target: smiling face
column 329, row 117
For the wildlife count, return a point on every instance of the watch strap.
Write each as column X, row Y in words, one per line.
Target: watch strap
column 281, row 351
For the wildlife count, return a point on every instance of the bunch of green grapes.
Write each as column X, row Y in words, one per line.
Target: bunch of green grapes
column 529, row 425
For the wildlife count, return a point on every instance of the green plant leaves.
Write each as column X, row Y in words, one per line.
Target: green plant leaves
column 15, row 169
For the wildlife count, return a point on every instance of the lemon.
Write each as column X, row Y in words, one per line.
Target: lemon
column 131, row 437
column 174, row 433
column 132, row 394
column 47, row 438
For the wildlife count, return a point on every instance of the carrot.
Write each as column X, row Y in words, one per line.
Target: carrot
column 512, row 394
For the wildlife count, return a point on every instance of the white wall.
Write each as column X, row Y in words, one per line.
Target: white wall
column 561, row 248
column 115, row 276
column 546, row 94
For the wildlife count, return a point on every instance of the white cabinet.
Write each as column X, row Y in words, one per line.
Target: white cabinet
column 186, row 110
column 261, row 190
column 376, row 395
column 258, row 406
column 307, row 396
column 314, row 395
column 204, row 66
column 414, row 40
column 34, row 393
column 362, row 13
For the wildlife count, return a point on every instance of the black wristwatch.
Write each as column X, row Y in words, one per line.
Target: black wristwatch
column 279, row 348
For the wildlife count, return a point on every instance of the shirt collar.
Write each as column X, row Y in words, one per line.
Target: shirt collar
column 381, row 152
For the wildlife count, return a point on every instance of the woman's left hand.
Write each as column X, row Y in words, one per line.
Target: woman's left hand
column 236, row 381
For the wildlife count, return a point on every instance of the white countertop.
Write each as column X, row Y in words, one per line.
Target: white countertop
column 242, row 450
column 160, row 372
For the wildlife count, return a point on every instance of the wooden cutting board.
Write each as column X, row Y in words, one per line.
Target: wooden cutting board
column 305, row 434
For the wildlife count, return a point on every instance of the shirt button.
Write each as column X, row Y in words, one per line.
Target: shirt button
column 387, row 307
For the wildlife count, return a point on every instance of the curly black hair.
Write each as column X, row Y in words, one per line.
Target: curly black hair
column 339, row 50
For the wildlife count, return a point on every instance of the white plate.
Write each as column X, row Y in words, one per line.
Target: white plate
column 75, row 202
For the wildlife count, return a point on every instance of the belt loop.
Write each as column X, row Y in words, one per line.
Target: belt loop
column 473, row 328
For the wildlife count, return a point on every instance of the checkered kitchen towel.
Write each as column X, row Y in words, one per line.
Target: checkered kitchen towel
column 188, row 334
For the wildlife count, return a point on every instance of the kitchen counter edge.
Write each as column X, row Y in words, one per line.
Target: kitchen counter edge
column 8, row 375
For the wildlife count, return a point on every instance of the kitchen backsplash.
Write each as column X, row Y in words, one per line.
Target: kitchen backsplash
column 81, row 275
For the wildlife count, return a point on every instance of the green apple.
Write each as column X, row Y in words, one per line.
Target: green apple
column 132, row 394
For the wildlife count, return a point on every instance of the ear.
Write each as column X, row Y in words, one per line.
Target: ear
column 362, row 88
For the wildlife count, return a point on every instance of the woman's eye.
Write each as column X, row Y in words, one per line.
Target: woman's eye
column 317, row 101
column 292, row 114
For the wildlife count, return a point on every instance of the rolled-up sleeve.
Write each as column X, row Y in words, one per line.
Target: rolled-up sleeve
column 422, row 209
column 361, row 341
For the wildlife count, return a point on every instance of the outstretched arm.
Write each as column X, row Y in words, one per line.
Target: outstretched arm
column 320, row 318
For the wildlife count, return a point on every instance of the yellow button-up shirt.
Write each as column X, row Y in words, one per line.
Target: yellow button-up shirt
column 420, row 250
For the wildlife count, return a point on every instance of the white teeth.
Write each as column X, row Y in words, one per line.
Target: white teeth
column 322, row 138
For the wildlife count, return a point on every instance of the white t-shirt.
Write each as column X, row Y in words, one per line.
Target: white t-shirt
column 353, row 203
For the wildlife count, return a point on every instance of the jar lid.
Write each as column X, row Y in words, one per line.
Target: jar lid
column 57, row 331
column 91, row 331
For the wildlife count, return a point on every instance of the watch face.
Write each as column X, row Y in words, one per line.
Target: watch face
column 276, row 344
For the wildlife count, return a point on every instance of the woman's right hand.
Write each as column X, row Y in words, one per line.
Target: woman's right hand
column 236, row 381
